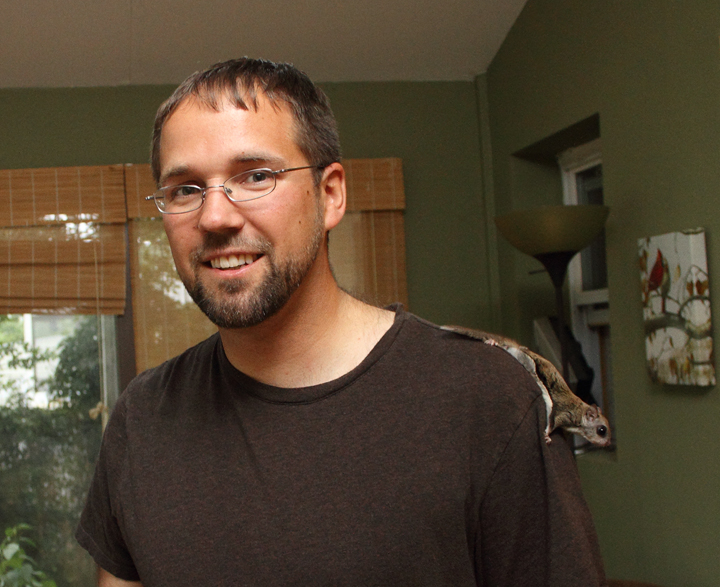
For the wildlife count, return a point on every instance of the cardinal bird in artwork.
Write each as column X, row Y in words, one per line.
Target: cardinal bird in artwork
column 659, row 279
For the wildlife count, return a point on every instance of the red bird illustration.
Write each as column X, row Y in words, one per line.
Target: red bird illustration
column 659, row 279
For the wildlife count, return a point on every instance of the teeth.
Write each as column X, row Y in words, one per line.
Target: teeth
column 232, row 261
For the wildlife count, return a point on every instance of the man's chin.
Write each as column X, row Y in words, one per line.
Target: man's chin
column 234, row 305
column 226, row 293
column 224, row 308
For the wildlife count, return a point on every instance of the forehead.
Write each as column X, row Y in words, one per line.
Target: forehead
column 196, row 130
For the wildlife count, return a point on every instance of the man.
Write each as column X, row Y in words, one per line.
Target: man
column 315, row 440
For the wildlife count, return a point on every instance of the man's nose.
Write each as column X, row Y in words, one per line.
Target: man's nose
column 218, row 213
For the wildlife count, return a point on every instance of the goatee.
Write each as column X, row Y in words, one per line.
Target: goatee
column 238, row 304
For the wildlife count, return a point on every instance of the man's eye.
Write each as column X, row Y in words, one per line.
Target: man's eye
column 183, row 191
column 257, row 177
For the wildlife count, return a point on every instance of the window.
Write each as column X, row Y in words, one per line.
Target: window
column 62, row 262
column 581, row 169
column 50, row 430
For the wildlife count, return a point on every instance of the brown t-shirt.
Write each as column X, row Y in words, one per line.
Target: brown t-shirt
column 425, row 465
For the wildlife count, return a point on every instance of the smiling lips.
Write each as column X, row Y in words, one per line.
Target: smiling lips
column 233, row 261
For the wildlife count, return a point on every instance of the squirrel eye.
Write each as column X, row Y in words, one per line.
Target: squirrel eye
column 602, row 430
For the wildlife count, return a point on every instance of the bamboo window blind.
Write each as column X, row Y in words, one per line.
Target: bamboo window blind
column 62, row 240
column 165, row 320
column 367, row 249
column 367, row 252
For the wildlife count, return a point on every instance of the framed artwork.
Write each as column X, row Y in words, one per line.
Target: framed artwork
column 676, row 308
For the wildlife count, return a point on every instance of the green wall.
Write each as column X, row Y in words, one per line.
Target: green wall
column 77, row 126
column 652, row 72
column 433, row 127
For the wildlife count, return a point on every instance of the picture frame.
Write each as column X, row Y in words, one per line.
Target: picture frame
column 676, row 308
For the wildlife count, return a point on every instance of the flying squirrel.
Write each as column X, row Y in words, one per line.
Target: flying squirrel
column 564, row 409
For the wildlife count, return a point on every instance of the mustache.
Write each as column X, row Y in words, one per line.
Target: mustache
column 215, row 242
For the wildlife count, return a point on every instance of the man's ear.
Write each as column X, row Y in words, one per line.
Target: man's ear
column 333, row 194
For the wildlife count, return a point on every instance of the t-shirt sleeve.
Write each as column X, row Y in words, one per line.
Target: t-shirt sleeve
column 535, row 527
column 100, row 528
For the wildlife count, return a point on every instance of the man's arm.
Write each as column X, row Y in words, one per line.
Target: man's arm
column 105, row 579
column 536, row 529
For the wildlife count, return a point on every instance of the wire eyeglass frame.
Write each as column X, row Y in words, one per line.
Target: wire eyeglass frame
column 263, row 187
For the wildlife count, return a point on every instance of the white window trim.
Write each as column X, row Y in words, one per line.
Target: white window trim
column 571, row 162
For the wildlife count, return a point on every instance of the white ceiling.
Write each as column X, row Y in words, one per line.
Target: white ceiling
column 64, row 43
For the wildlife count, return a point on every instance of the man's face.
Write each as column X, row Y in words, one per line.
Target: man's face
column 240, row 262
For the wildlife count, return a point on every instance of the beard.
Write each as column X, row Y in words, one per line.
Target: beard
column 238, row 304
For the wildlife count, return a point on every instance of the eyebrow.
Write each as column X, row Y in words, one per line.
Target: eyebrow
column 173, row 172
column 260, row 159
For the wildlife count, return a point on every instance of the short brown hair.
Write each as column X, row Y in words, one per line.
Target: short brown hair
column 240, row 80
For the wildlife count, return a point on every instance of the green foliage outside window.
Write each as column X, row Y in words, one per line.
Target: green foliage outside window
column 17, row 568
column 11, row 329
column 48, row 449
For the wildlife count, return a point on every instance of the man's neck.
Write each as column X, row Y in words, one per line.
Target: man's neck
column 312, row 340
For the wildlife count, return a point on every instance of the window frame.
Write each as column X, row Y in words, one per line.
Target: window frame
column 589, row 309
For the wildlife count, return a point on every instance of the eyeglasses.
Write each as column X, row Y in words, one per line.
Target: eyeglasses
column 249, row 185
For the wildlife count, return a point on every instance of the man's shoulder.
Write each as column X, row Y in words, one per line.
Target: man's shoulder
column 468, row 360
column 468, row 351
column 469, row 380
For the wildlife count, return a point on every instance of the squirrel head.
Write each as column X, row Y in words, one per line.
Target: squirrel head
column 595, row 426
